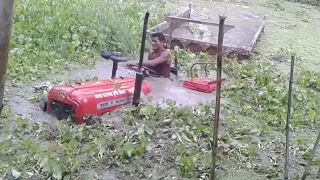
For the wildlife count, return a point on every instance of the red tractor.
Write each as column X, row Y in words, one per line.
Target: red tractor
column 83, row 101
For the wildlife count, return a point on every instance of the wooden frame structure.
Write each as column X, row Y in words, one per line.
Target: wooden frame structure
column 172, row 23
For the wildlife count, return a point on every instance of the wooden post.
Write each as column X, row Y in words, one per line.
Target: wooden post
column 286, row 165
column 218, row 93
column 6, row 16
column 313, row 153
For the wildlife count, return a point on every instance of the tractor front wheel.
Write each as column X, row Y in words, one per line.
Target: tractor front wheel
column 44, row 103
column 93, row 120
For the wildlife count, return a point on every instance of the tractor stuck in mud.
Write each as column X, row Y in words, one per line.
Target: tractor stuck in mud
column 82, row 101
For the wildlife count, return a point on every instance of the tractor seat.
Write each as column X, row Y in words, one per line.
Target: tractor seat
column 113, row 56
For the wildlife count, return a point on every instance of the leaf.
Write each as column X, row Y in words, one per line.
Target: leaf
column 174, row 136
column 15, row 173
column 149, row 131
column 255, row 132
column 27, row 142
column 85, row 177
column 139, row 151
column 72, row 145
column 83, row 29
column 95, row 78
column 183, row 136
column 179, row 138
column 140, row 131
column 30, row 174
column 144, row 141
column 57, row 171
column 147, row 110
column 118, row 85
column 43, row 162
column 128, row 149
column 312, row 113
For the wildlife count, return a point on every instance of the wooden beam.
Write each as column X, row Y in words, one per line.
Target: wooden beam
column 164, row 26
column 175, row 19
column 242, row 51
column 6, row 16
column 257, row 35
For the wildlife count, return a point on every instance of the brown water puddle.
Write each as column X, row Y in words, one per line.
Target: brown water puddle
column 162, row 88
column 17, row 96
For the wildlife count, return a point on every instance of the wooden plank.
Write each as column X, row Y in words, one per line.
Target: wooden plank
column 182, row 19
column 6, row 16
column 256, row 36
column 200, row 42
column 164, row 26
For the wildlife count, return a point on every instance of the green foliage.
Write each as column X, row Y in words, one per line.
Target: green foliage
column 310, row 2
column 277, row 5
column 63, row 150
column 260, row 90
column 5, row 113
column 49, row 35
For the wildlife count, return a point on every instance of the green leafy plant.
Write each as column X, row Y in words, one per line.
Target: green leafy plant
column 39, row 48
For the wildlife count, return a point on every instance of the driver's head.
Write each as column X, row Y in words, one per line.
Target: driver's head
column 158, row 41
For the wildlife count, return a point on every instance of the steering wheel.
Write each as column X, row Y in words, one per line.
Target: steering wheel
column 146, row 71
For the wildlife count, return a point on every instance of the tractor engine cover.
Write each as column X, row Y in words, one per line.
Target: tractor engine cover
column 80, row 100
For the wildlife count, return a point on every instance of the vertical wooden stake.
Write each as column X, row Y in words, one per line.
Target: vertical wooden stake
column 307, row 169
column 6, row 16
column 218, row 94
column 286, row 166
column 170, row 36
column 139, row 75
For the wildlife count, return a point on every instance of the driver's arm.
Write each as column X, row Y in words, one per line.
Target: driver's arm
column 164, row 56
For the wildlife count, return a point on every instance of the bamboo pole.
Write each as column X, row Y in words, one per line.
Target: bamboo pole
column 218, row 96
column 286, row 166
column 307, row 169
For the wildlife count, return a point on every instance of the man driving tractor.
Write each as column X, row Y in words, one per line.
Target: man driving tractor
column 159, row 59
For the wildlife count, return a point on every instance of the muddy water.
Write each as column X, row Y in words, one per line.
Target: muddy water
column 162, row 88
column 18, row 96
column 21, row 106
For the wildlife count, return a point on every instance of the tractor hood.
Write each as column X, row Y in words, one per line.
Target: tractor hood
column 98, row 90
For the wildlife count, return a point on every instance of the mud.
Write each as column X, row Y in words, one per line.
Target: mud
column 18, row 96
column 162, row 88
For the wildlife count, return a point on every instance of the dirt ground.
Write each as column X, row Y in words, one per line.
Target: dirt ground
column 297, row 27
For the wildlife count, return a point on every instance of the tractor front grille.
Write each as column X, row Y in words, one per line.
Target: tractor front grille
column 61, row 110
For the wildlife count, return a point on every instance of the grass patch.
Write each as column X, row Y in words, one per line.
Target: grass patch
column 49, row 35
